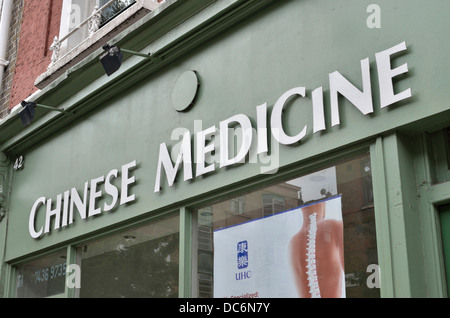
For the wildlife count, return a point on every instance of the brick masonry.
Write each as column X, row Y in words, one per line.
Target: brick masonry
column 40, row 23
column 14, row 32
column 34, row 25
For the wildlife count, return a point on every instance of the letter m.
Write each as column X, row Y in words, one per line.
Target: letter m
column 164, row 161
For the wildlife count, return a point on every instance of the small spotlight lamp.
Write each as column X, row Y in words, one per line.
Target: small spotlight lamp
column 29, row 111
column 112, row 58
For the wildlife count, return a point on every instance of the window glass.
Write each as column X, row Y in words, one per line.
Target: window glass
column 43, row 277
column 266, row 244
column 115, row 8
column 140, row 262
column 75, row 12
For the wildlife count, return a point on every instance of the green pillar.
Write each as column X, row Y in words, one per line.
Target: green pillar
column 397, row 217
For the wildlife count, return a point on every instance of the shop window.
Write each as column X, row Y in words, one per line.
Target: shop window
column 447, row 146
column 279, row 248
column 140, row 262
column 205, row 252
column 444, row 215
column 43, row 277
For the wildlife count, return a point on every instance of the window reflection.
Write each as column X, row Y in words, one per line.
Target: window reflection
column 114, row 9
column 141, row 262
column 43, row 277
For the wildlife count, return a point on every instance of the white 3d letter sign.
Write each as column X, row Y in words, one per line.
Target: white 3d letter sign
column 218, row 141
column 62, row 211
column 339, row 85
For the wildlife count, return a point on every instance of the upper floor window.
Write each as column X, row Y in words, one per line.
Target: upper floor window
column 82, row 19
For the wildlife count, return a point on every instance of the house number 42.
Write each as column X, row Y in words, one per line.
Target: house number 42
column 18, row 164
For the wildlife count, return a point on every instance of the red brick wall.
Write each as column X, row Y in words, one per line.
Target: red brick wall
column 11, row 56
column 40, row 24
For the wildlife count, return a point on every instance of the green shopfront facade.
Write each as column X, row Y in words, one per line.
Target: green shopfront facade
column 245, row 110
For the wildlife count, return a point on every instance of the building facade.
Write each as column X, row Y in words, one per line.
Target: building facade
column 227, row 149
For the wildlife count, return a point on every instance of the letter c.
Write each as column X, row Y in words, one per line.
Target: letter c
column 31, row 229
column 276, row 118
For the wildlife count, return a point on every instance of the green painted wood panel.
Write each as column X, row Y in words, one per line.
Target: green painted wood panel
column 445, row 229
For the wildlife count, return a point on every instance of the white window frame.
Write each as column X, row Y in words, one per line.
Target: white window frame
column 62, row 54
column 71, row 18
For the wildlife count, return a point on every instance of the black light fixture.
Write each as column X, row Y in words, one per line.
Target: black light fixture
column 112, row 59
column 29, row 110
column 27, row 114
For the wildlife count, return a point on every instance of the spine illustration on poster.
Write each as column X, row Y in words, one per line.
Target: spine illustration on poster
column 313, row 282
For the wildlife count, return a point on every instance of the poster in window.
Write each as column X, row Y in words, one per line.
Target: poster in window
column 296, row 253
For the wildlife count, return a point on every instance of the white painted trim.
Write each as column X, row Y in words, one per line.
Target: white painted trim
column 5, row 24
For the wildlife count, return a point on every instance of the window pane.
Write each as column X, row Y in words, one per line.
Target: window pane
column 114, row 9
column 251, row 248
column 141, row 262
column 43, row 277
column 80, row 10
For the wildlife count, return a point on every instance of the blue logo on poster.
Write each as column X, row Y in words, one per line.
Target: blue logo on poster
column 242, row 255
